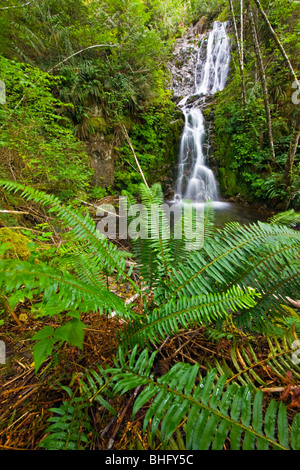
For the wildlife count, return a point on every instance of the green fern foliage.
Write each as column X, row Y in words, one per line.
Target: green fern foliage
column 261, row 256
column 241, row 276
column 69, row 426
column 80, row 227
column 74, row 283
column 187, row 313
column 249, row 368
column 288, row 218
column 213, row 412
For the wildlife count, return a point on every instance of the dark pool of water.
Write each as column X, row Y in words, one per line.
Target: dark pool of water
column 232, row 212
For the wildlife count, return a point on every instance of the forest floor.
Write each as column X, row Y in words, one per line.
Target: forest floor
column 27, row 397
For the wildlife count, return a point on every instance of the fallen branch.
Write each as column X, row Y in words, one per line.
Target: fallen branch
column 278, row 389
column 134, row 154
column 121, row 418
column 295, row 303
column 13, row 212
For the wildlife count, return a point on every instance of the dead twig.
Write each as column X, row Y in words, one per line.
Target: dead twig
column 121, row 417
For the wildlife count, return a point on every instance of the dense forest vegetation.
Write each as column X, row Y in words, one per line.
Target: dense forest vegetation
column 154, row 342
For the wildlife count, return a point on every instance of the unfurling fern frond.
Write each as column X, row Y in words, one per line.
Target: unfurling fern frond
column 214, row 413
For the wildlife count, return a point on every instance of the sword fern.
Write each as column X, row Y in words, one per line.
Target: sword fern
column 242, row 273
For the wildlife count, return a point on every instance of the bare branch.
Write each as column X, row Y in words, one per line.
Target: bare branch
column 279, row 45
column 13, row 212
column 16, row 6
column 134, row 154
column 79, row 52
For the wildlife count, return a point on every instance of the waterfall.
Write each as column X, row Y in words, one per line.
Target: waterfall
column 195, row 180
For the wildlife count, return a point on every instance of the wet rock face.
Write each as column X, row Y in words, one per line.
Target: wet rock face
column 199, row 70
column 182, row 68
column 101, row 150
column 185, row 58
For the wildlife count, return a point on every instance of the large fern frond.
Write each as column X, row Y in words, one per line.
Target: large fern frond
column 214, row 413
column 193, row 228
column 288, row 218
column 82, row 227
column 151, row 245
column 260, row 255
column 69, row 426
column 257, row 368
column 185, row 313
column 232, row 250
column 60, row 290
column 169, row 235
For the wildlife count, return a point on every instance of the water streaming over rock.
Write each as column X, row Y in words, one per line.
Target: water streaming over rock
column 209, row 59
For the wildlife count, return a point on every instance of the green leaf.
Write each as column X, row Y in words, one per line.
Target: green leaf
column 45, row 333
column 296, row 433
column 72, row 332
column 42, row 350
column 283, row 427
column 270, row 420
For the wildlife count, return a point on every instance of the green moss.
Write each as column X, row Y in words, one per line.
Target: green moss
column 98, row 124
column 18, row 244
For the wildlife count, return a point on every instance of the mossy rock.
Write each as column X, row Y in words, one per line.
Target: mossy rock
column 98, row 124
column 18, row 244
column 228, row 183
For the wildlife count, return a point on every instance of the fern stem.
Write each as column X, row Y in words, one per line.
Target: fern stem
column 215, row 260
column 210, row 410
column 268, row 359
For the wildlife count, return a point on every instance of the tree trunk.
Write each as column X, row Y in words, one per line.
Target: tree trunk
column 288, row 171
column 240, row 53
column 277, row 40
column 263, row 80
column 242, row 32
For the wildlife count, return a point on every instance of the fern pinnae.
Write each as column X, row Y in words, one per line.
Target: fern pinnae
column 273, row 295
column 152, row 198
column 241, row 374
column 213, row 411
column 67, row 289
column 86, row 268
column 186, row 313
column 83, row 227
column 287, row 218
column 271, row 255
column 224, row 255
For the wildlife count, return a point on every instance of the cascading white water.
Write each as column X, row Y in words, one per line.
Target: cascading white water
column 195, row 180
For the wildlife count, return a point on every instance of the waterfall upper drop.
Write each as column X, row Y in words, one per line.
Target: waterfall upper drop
column 210, row 67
